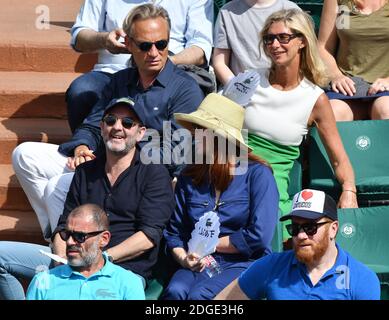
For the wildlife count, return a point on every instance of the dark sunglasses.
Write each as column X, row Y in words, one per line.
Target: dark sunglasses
column 77, row 236
column 146, row 46
column 309, row 228
column 283, row 38
column 127, row 122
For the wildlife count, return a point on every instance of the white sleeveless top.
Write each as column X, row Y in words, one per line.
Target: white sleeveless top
column 281, row 116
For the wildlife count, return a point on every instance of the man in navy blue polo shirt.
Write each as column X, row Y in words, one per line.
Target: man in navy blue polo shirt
column 156, row 85
column 316, row 268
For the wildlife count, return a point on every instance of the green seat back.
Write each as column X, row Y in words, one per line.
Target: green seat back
column 368, row 149
column 364, row 233
column 217, row 4
column 276, row 244
column 313, row 8
column 162, row 272
column 154, row 289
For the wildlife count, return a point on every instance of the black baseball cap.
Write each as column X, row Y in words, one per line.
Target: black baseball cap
column 130, row 103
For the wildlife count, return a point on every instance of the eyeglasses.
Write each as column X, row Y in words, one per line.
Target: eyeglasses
column 77, row 236
column 309, row 228
column 127, row 122
column 146, row 46
column 283, row 38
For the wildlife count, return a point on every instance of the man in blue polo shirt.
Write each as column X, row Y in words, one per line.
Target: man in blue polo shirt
column 88, row 274
column 316, row 268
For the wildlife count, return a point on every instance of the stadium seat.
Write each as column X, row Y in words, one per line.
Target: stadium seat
column 368, row 149
column 314, row 8
column 364, row 234
column 162, row 272
column 217, row 4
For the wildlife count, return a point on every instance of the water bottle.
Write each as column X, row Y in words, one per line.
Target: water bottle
column 212, row 266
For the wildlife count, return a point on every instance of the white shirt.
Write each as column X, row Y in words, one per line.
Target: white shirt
column 191, row 25
column 281, row 116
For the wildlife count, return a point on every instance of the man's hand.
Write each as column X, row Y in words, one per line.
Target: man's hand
column 81, row 155
column 112, row 43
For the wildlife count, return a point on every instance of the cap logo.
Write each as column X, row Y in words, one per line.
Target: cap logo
column 307, row 195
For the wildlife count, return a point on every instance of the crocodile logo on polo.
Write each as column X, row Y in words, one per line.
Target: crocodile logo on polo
column 348, row 230
column 105, row 294
column 363, row 142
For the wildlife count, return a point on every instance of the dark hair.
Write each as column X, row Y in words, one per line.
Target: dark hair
column 218, row 172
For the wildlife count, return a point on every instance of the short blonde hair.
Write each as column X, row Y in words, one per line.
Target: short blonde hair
column 144, row 12
column 311, row 65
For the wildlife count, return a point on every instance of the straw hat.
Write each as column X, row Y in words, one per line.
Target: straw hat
column 220, row 114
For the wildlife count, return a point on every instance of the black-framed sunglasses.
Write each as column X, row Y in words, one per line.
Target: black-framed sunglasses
column 309, row 228
column 78, row 236
column 146, row 45
column 127, row 122
column 283, row 38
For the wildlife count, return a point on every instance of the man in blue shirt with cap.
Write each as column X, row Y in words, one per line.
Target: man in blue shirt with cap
column 316, row 269
column 137, row 197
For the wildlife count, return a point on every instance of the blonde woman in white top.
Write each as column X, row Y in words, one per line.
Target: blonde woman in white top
column 288, row 100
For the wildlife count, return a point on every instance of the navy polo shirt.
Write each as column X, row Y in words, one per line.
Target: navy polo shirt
column 140, row 200
column 280, row 276
column 172, row 91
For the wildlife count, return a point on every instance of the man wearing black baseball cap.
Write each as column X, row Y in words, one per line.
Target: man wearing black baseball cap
column 316, row 268
column 137, row 197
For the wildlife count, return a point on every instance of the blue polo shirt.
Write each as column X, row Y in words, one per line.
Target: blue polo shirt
column 63, row 283
column 172, row 91
column 280, row 276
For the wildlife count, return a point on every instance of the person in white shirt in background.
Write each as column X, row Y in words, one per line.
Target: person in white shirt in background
column 98, row 28
column 236, row 36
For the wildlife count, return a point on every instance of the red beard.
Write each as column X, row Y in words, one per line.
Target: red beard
column 314, row 252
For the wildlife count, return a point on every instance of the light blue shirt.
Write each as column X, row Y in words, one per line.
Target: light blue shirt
column 109, row 283
column 192, row 23
column 280, row 276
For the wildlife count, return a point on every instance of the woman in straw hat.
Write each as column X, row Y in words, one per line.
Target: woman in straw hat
column 288, row 100
column 238, row 186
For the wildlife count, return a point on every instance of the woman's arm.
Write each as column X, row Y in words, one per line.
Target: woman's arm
column 323, row 117
column 255, row 236
column 328, row 40
column 189, row 261
column 220, row 63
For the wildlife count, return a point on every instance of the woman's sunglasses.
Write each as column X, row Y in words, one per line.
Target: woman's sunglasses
column 283, row 38
column 127, row 122
column 309, row 228
column 146, row 46
column 79, row 237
